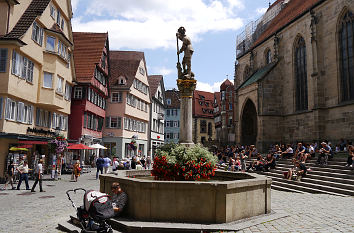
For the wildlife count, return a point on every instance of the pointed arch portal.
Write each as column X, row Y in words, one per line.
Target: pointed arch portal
column 249, row 124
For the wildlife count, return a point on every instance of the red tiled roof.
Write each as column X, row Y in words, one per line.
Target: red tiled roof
column 203, row 104
column 125, row 63
column 87, row 53
column 154, row 81
column 35, row 8
column 217, row 96
column 225, row 84
column 293, row 9
column 173, row 95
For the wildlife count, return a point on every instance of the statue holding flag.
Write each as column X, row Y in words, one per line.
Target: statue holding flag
column 187, row 49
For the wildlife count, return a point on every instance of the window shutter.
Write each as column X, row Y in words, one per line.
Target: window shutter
column 7, row 109
column 119, row 123
column 3, row 59
column 30, row 114
column 85, row 120
column 108, row 119
column 54, row 120
column 40, row 36
column 34, row 31
column 1, row 103
column 13, row 70
column 38, row 115
column 20, row 109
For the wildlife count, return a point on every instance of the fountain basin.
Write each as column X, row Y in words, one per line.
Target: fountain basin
column 229, row 197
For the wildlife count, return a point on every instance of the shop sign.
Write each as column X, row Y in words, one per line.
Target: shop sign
column 40, row 132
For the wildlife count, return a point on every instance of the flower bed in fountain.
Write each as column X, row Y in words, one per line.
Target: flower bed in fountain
column 177, row 162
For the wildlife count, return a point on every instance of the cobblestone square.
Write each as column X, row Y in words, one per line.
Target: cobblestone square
column 23, row 211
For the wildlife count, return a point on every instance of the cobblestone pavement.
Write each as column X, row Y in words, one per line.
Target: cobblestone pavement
column 309, row 213
column 23, row 211
column 41, row 212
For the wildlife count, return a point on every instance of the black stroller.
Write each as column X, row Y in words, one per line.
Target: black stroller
column 96, row 210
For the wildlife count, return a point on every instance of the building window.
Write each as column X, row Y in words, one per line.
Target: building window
column 168, row 101
column 62, row 24
column 300, row 75
column 52, row 11
column 58, row 17
column 10, row 109
column 203, row 126
column 78, row 93
column 103, row 61
column 114, row 122
column 210, row 129
column 67, row 91
column 346, row 41
column 48, row 80
column 116, row 97
column 22, row 67
column 141, row 70
column 60, row 81
column 230, row 106
column 37, row 33
column 50, row 43
column 268, row 56
column 3, row 59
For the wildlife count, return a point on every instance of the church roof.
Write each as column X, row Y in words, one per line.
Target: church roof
column 225, row 84
column 292, row 10
column 259, row 74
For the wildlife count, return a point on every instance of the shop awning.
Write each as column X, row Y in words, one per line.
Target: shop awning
column 33, row 142
column 26, row 146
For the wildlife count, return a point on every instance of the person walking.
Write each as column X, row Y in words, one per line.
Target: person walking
column 99, row 165
column 77, row 170
column 10, row 175
column 38, row 176
column 107, row 163
column 23, row 170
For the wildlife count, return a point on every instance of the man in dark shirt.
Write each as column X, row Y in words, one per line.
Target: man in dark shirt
column 301, row 170
column 99, row 165
column 119, row 199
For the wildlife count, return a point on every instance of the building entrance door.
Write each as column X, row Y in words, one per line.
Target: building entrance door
column 249, row 124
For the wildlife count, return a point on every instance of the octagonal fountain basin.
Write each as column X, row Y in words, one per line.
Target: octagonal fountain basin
column 227, row 197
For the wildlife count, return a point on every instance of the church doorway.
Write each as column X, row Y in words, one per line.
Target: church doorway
column 249, row 124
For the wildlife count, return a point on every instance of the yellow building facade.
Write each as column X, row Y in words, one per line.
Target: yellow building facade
column 36, row 75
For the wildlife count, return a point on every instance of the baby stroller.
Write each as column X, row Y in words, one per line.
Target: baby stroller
column 96, row 210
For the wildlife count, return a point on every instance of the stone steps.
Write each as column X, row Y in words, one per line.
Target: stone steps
column 335, row 178
column 347, row 189
column 299, row 186
column 73, row 226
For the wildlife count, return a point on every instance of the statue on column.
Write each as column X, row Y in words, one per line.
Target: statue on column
column 187, row 49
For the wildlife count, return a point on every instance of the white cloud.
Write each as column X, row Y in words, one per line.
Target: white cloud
column 152, row 24
column 261, row 11
column 162, row 71
column 215, row 87
column 74, row 4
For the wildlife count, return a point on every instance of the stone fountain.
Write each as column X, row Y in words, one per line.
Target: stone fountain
column 228, row 197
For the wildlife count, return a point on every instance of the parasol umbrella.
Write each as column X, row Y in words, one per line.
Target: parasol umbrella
column 18, row 149
column 79, row 147
column 98, row 146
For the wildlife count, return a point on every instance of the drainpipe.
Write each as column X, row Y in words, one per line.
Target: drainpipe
column 8, row 16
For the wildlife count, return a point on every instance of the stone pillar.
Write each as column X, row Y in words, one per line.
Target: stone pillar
column 186, row 88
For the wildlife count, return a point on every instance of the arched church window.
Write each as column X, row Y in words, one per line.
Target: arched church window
column 300, row 75
column 268, row 56
column 246, row 73
column 346, row 41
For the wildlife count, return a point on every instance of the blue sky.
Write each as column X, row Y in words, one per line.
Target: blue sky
column 150, row 26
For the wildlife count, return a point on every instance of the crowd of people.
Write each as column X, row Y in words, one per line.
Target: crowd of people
column 137, row 162
column 247, row 158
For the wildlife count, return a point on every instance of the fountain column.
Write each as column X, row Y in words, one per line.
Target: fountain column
column 186, row 88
